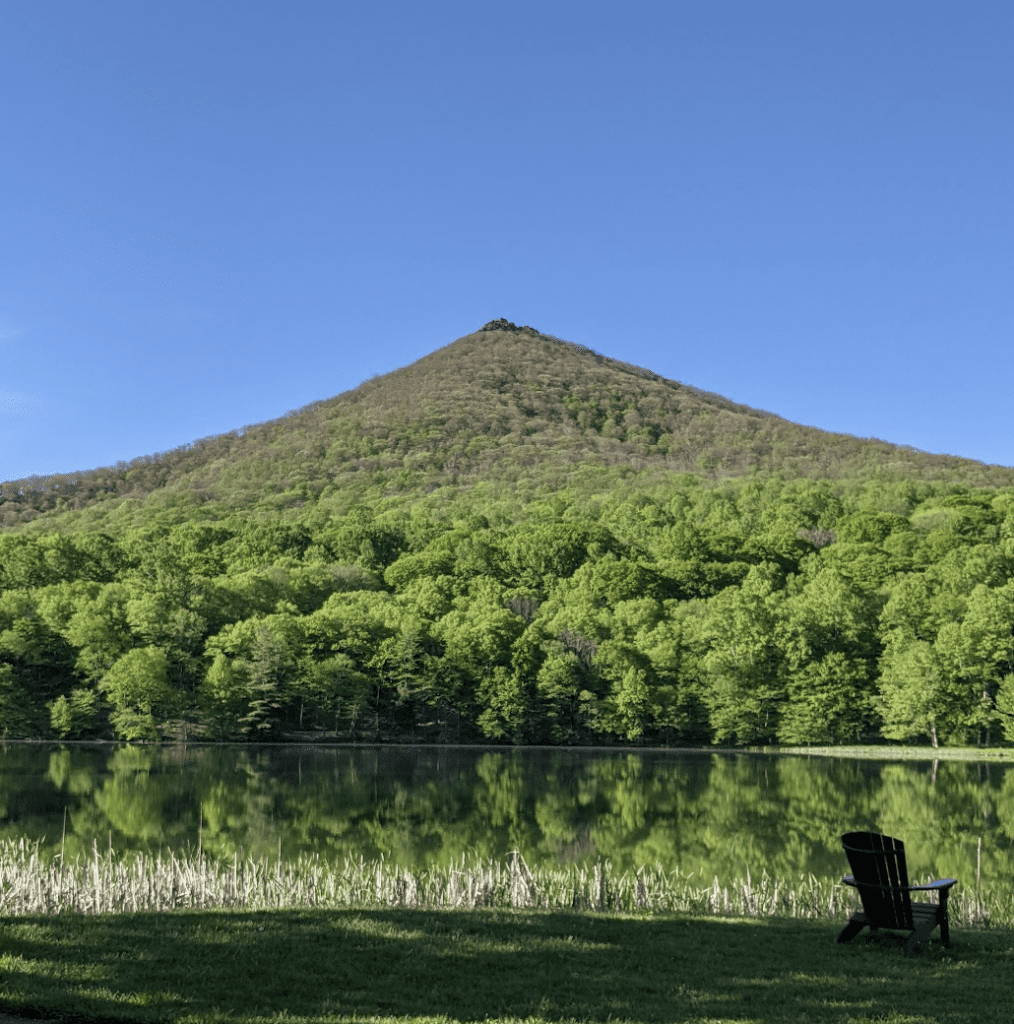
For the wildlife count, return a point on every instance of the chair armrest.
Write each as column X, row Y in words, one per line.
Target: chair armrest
column 942, row 885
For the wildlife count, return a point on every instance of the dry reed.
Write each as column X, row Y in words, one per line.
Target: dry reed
column 106, row 882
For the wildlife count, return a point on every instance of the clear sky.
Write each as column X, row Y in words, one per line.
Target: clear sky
column 215, row 212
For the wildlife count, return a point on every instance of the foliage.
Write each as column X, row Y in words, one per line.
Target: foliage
column 141, row 698
column 517, row 540
column 519, row 412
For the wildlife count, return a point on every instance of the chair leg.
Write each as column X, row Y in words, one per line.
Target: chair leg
column 856, row 924
column 918, row 937
column 945, row 931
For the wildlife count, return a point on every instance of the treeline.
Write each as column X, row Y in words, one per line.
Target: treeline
column 747, row 613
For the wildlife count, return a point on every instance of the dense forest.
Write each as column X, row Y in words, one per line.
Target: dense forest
column 514, row 540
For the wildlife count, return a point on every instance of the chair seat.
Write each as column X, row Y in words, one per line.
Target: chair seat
column 921, row 912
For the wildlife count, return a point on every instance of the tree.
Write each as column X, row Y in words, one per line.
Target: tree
column 914, row 699
column 830, row 644
column 868, row 526
column 744, row 663
column 478, row 636
column 222, row 699
column 356, row 625
column 178, row 631
column 142, row 700
column 566, row 700
column 252, row 671
column 827, row 701
column 978, row 653
column 631, row 710
column 99, row 629
column 75, row 714
column 1005, row 706
column 675, row 692
column 18, row 715
column 609, row 580
column 536, row 556
column 948, row 686
column 41, row 660
column 332, row 691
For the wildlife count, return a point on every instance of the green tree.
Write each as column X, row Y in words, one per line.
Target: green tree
column 356, row 626
column 915, row 698
column 178, row 631
column 18, row 714
column 222, row 699
column 100, row 630
column 980, row 651
column 261, row 655
column 744, row 662
column 536, row 556
column 75, row 714
column 830, row 643
column 568, row 703
column 142, row 700
column 333, row 692
column 1005, row 706
column 478, row 636
column 827, row 701
column 42, row 662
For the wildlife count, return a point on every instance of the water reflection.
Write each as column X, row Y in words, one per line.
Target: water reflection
column 717, row 814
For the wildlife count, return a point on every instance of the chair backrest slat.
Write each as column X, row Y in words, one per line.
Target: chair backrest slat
column 878, row 866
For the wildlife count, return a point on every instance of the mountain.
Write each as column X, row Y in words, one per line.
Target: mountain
column 506, row 409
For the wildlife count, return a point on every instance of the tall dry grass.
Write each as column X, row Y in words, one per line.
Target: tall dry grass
column 107, row 882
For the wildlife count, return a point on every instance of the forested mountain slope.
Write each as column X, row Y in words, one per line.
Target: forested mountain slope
column 509, row 408
column 502, row 543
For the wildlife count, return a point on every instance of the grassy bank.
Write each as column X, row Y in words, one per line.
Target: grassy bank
column 187, row 938
column 896, row 753
column 471, row 965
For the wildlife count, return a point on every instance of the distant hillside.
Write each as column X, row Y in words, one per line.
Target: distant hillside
column 507, row 407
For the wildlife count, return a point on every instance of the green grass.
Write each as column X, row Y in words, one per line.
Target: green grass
column 895, row 753
column 186, row 938
column 473, row 965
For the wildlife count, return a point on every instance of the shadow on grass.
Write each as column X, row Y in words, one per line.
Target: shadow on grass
column 473, row 965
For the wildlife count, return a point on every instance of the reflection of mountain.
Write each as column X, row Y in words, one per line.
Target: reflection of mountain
column 709, row 814
column 513, row 409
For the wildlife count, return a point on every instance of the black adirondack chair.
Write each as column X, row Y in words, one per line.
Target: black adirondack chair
column 880, row 875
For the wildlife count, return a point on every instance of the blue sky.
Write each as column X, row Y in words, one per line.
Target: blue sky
column 217, row 212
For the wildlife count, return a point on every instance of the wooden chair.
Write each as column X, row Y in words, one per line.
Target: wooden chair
column 880, row 875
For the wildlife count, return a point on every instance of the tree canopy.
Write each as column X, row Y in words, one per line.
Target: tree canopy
column 515, row 540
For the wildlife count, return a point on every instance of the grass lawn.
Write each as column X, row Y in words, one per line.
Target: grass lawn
column 897, row 753
column 473, row 965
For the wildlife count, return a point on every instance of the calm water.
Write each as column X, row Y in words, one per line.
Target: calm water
column 720, row 814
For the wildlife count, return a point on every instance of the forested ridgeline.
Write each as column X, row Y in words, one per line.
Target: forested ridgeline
column 508, row 409
column 747, row 612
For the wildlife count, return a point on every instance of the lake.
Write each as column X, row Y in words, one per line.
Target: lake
column 717, row 814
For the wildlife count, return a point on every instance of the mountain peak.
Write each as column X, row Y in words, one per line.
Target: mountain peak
column 506, row 325
column 519, row 414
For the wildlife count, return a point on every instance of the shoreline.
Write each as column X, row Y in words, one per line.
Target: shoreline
column 860, row 751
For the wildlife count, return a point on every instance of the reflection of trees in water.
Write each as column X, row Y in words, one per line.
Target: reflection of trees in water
column 714, row 814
